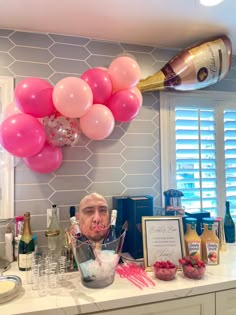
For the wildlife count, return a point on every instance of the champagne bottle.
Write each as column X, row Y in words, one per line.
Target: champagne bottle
column 53, row 231
column 193, row 68
column 111, row 236
column 229, row 226
column 26, row 245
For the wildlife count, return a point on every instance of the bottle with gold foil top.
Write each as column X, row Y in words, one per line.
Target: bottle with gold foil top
column 53, row 231
column 191, row 239
column 193, row 68
column 26, row 245
column 210, row 243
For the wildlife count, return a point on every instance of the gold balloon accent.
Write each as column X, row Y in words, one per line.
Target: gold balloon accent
column 196, row 67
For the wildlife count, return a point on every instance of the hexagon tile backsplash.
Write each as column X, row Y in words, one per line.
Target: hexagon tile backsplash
column 126, row 163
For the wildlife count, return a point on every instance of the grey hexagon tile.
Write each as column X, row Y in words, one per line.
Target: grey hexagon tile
column 105, row 160
column 83, row 141
column 97, row 47
column 69, row 66
column 31, row 54
column 99, row 61
column 157, row 172
column 26, row 176
column 231, row 74
column 107, row 189
column 139, row 167
column 139, row 154
column 19, row 78
column 141, row 180
column 117, row 133
column 69, row 51
column 138, row 126
column 137, row 191
column 6, row 72
column 38, row 222
column 164, row 54
column 73, row 168
column 67, row 197
column 65, row 212
column 148, row 99
column 41, row 238
column 145, row 62
column 22, row 68
column 105, row 146
column 5, row 59
column 5, row 44
column 75, row 154
column 105, row 174
column 146, row 113
column 40, row 191
column 158, row 66
column 31, row 39
column 70, row 182
column 56, row 77
column 138, row 140
column 137, row 48
column 6, row 32
column 33, row 206
column 69, row 39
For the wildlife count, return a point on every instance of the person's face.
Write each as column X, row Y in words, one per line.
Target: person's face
column 93, row 218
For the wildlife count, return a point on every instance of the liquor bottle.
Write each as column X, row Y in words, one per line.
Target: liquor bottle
column 195, row 67
column 229, row 226
column 111, row 235
column 26, row 245
column 53, row 230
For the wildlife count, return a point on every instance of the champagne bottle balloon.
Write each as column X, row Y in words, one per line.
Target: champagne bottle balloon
column 196, row 67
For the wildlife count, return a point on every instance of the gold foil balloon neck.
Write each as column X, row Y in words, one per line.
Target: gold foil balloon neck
column 196, row 67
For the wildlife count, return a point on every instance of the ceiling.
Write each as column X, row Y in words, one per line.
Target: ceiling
column 163, row 23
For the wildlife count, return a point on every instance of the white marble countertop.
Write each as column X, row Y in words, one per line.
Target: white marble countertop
column 71, row 297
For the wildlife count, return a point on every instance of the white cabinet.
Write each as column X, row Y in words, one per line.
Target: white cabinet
column 197, row 305
column 226, row 302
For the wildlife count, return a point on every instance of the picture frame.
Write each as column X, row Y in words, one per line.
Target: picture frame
column 163, row 239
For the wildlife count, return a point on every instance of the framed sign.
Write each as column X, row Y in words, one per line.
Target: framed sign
column 163, row 239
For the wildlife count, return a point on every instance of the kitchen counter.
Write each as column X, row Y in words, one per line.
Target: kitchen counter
column 71, row 297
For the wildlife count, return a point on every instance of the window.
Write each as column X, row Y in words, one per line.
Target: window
column 6, row 160
column 198, row 148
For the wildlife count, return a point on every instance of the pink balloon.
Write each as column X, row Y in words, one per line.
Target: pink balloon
column 100, row 84
column 124, row 72
column 33, row 96
column 10, row 110
column 46, row 161
column 72, row 97
column 22, row 135
column 124, row 105
column 137, row 92
column 98, row 123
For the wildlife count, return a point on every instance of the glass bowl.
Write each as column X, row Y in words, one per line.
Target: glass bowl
column 194, row 272
column 165, row 274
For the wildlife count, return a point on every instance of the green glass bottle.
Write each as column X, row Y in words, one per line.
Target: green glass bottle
column 26, row 245
column 229, row 226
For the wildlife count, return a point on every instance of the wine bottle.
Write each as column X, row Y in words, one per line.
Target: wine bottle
column 26, row 245
column 229, row 226
column 111, row 236
column 195, row 67
column 53, row 230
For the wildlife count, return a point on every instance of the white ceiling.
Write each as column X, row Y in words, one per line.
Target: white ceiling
column 163, row 23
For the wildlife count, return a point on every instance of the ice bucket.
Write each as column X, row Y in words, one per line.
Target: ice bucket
column 96, row 261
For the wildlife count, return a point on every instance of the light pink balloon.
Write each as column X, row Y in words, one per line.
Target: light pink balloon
column 46, row 161
column 100, row 84
column 22, row 135
column 72, row 97
column 124, row 105
column 33, row 96
column 98, row 123
column 124, row 72
column 137, row 92
column 10, row 110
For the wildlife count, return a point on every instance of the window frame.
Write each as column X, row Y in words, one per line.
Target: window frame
column 7, row 178
column 168, row 101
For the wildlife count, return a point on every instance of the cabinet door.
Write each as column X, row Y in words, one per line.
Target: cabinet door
column 197, row 305
column 226, row 302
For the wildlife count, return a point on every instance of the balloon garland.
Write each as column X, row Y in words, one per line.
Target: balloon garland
column 43, row 118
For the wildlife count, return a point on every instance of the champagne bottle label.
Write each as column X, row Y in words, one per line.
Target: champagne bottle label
column 25, row 260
